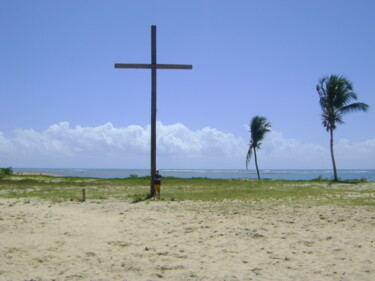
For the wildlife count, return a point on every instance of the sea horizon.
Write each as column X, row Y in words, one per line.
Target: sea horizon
column 281, row 174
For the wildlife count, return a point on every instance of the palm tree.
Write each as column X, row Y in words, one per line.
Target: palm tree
column 258, row 128
column 335, row 94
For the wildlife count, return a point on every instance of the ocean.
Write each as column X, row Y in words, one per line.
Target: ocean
column 364, row 174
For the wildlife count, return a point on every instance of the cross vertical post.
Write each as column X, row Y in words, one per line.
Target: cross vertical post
column 153, row 108
column 153, row 66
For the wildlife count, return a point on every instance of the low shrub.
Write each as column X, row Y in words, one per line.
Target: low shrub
column 6, row 171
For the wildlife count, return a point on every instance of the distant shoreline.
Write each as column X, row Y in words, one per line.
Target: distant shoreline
column 276, row 174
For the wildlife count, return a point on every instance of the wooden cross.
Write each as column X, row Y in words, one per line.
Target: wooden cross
column 153, row 66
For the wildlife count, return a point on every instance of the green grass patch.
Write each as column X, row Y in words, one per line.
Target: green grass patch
column 195, row 189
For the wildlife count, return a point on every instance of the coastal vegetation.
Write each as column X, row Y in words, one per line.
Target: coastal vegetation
column 6, row 171
column 259, row 126
column 335, row 97
column 135, row 189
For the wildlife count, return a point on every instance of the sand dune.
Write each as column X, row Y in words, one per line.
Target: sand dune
column 158, row 240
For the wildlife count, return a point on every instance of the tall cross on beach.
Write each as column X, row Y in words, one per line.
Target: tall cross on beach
column 153, row 66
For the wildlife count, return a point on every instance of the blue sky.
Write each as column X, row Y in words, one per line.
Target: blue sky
column 64, row 104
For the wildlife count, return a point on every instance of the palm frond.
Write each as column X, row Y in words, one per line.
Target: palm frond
column 335, row 94
column 249, row 156
column 259, row 126
column 358, row 106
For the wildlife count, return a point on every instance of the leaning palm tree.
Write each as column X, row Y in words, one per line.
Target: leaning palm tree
column 335, row 94
column 258, row 128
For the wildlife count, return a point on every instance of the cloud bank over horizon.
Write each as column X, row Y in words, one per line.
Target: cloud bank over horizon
column 105, row 146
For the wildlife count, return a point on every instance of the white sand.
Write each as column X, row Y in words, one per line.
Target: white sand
column 157, row 240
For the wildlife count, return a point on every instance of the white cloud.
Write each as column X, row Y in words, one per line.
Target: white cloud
column 61, row 145
column 106, row 146
column 179, row 139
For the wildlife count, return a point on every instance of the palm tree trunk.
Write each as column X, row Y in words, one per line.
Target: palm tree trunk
column 256, row 162
column 335, row 178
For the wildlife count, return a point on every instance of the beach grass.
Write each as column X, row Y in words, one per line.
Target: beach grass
column 195, row 189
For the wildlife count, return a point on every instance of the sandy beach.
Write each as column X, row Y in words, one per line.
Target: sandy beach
column 166, row 240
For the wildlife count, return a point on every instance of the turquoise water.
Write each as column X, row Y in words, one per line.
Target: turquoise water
column 367, row 174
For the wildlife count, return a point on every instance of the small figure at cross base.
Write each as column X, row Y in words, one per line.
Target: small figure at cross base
column 157, row 183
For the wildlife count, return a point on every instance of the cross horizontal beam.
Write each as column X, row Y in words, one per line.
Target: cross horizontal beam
column 153, row 66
